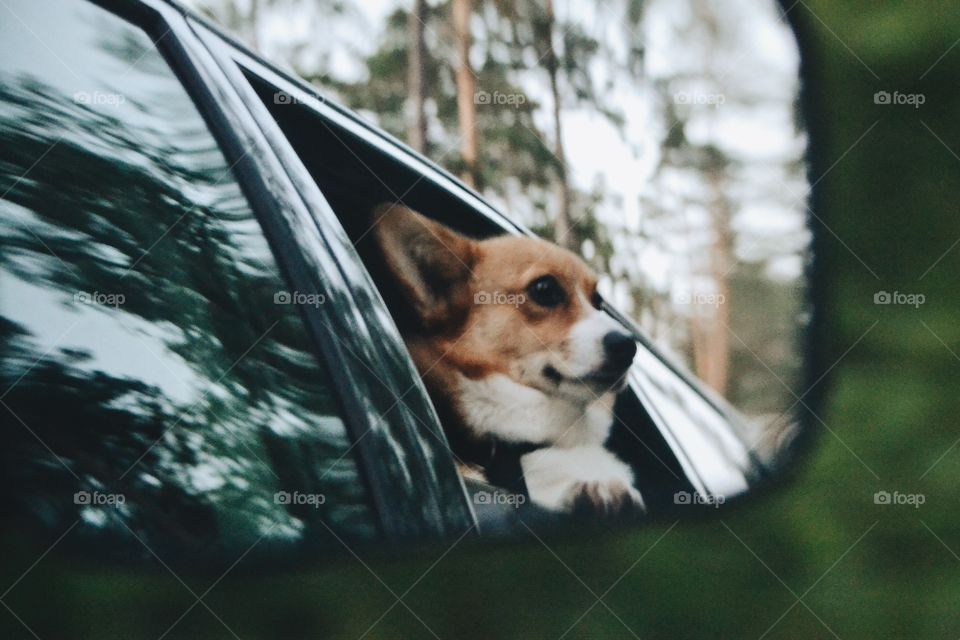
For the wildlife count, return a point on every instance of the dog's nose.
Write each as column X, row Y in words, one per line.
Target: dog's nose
column 619, row 347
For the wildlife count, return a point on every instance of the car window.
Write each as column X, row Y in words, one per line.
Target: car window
column 158, row 387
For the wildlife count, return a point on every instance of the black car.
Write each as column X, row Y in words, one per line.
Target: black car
column 196, row 359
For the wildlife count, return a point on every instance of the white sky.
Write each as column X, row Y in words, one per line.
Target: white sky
column 754, row 61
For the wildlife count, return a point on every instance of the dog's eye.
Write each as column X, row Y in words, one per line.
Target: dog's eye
column 546, row 292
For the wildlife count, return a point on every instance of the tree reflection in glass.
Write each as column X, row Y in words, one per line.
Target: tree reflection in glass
column 143, row 353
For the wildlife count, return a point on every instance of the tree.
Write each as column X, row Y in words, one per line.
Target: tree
column 562, row 223
column 710, row 324
column 466, row 92
column 416, row 77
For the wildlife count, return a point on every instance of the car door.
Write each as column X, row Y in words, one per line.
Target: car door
column 183, row 374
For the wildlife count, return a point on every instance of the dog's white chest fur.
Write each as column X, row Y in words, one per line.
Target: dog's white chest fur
column 498, row 406
column 573, row 459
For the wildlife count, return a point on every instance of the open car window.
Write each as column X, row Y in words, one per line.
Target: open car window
column 160, row 392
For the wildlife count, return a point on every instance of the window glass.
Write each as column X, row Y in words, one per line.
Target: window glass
column 158, row 387
column 722, row 460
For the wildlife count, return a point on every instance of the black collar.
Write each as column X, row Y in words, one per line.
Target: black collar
column 500, row 460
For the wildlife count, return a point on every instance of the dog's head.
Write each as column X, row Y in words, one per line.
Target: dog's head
column 513, row 305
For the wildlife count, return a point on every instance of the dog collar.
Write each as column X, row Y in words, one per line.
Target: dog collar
column 503, row 466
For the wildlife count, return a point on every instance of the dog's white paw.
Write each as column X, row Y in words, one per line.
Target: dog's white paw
column 605, row 499
column 584, row 480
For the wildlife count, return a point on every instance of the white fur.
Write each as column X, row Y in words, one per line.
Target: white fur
column 574, row 433
column 498, row 406
column 555, row 476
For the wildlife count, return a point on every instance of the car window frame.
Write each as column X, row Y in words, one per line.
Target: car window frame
column 403, row 504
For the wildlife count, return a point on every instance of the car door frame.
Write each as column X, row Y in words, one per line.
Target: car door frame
column 410, row 475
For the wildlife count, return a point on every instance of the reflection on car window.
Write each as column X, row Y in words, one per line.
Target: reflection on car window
column 156, row 382
column 721, row 459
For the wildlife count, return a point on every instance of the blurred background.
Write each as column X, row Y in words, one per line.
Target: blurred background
column 659, row 139
column 816, row 556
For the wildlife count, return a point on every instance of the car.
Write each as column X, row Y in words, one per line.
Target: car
column 198, row 363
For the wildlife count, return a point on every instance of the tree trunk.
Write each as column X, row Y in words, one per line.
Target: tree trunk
column 562, row 227
column 416, row 78
column 713, row 360
column 711, row 333
column 466, row 93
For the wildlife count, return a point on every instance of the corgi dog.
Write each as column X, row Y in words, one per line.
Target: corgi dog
column 517, row 355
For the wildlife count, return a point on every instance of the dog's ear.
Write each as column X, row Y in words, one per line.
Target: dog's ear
column 431, row 262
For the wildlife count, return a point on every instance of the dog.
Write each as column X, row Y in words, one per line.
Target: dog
column 520, row 360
